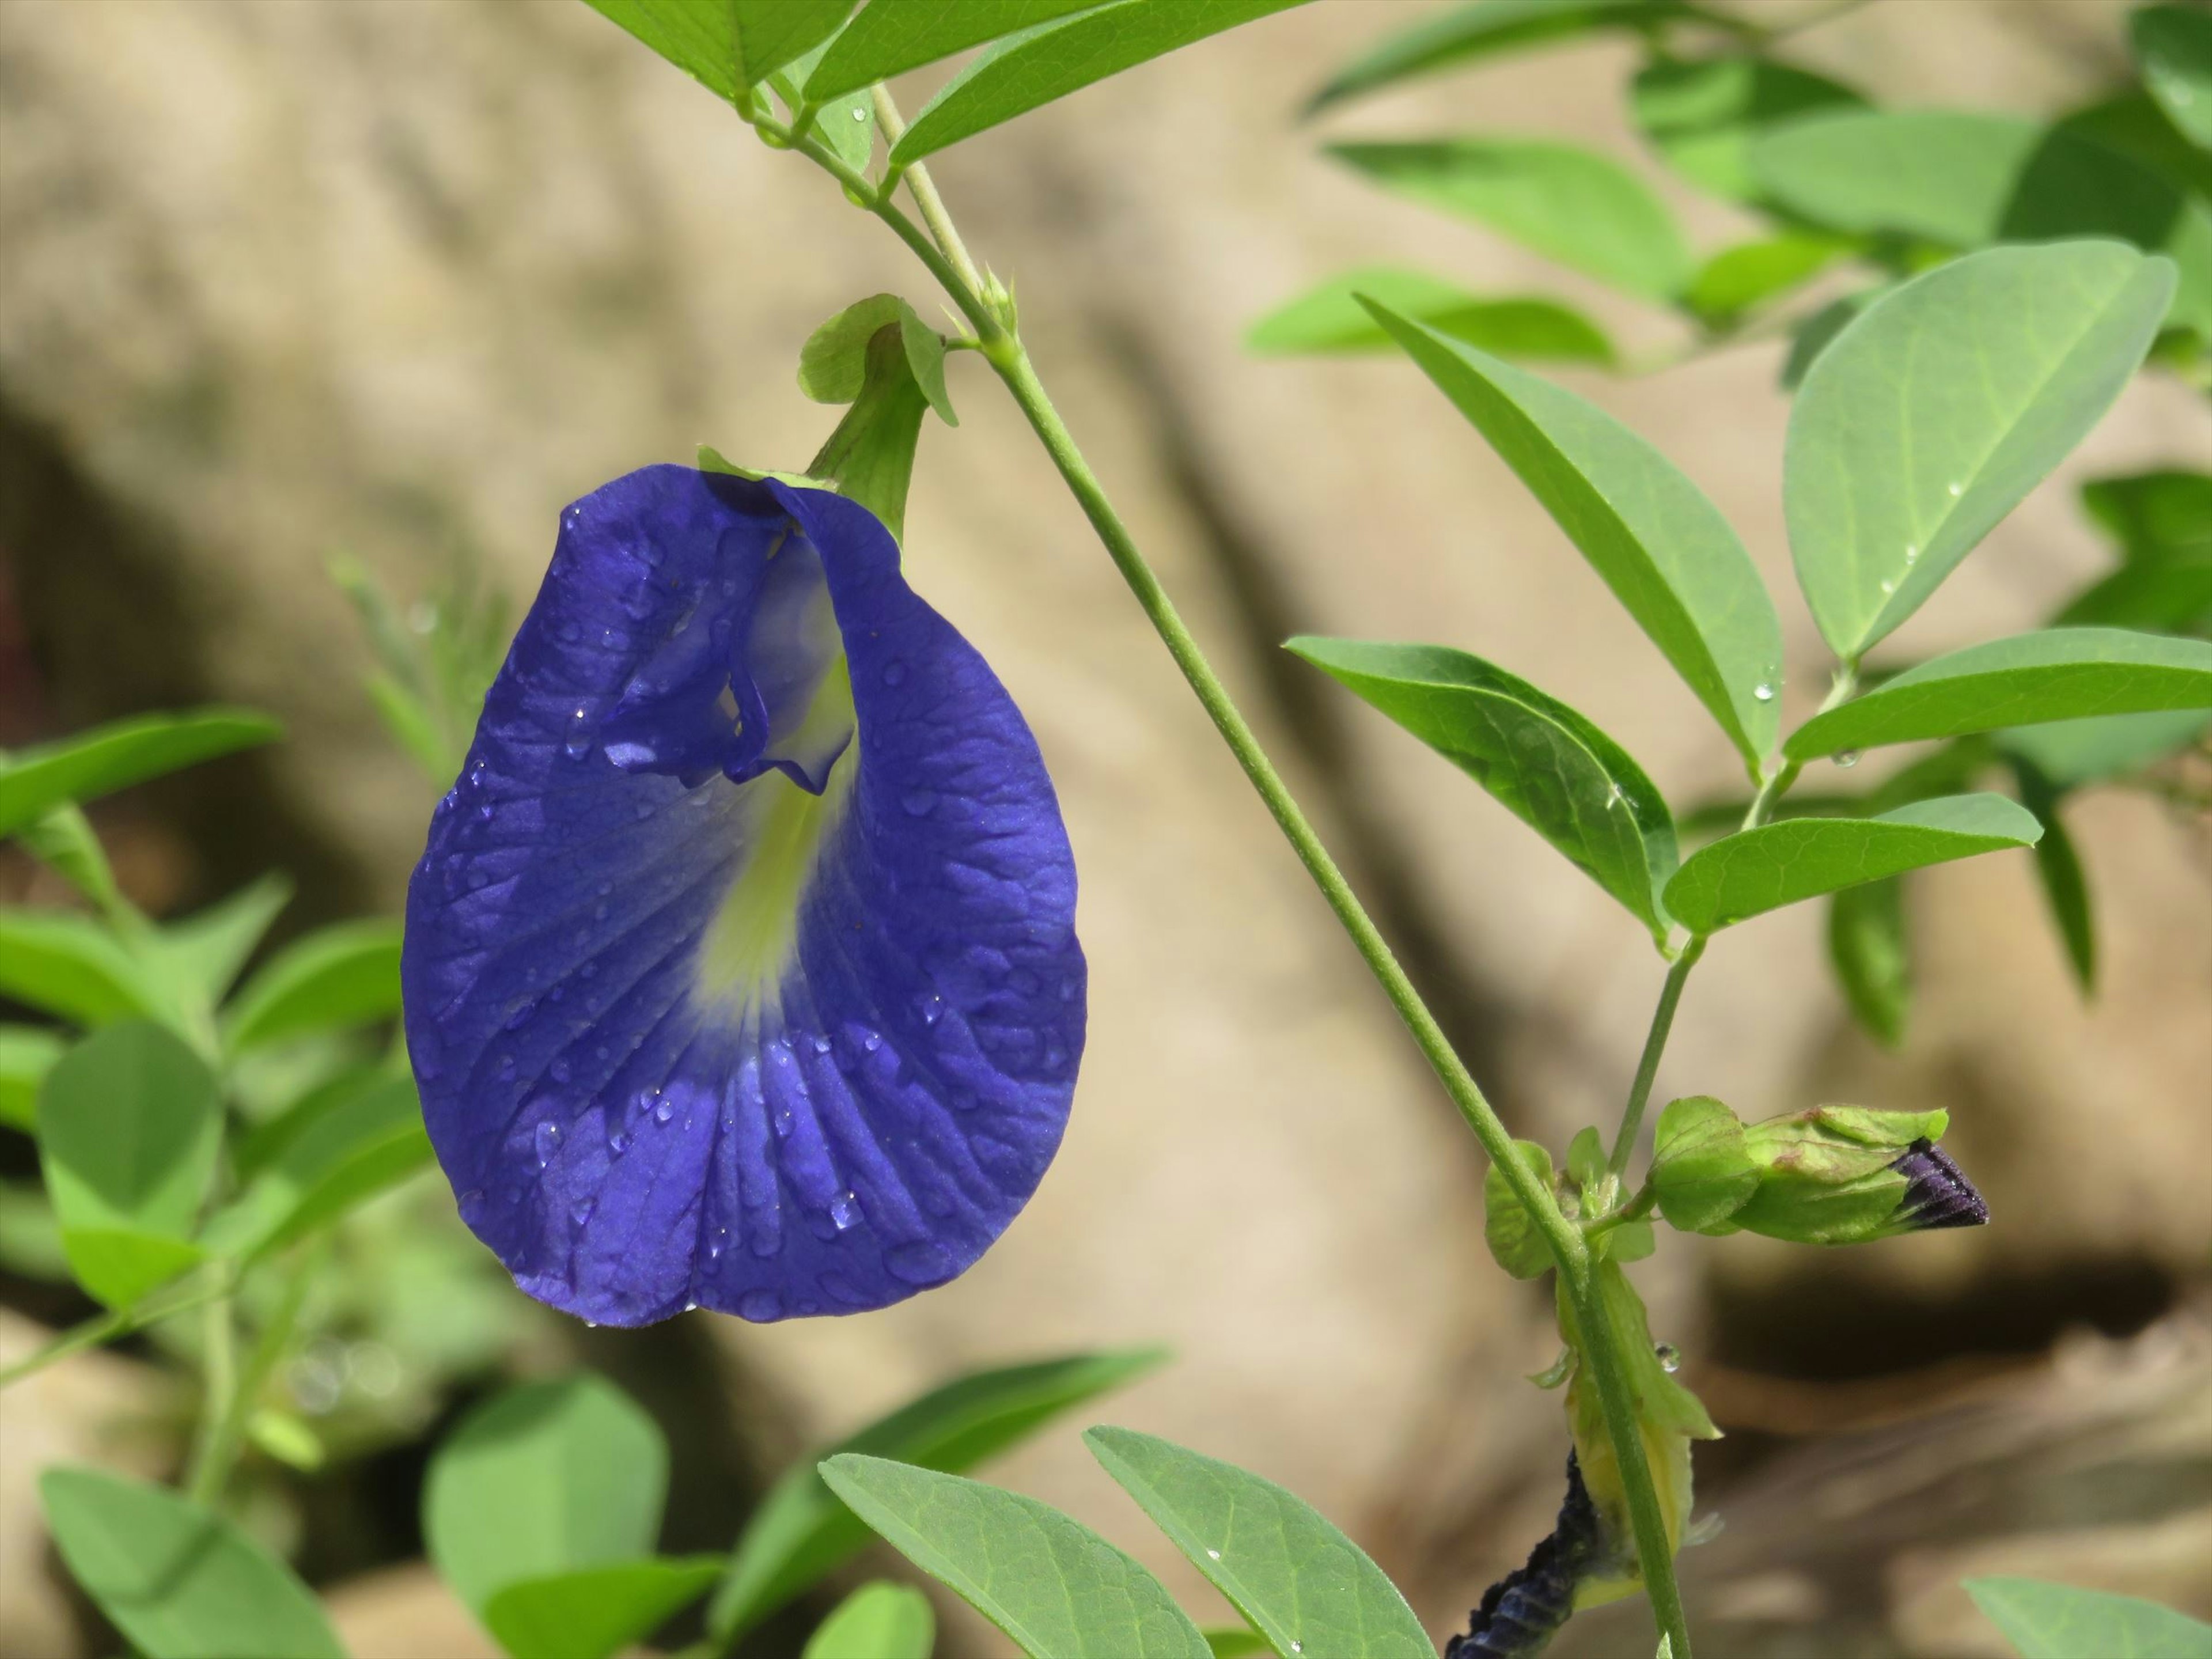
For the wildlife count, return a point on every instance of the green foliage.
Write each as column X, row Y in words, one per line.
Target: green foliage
column 180, row 1582
column 833, row 363
column 884, row 40
column 1702, row 116
column 2173, row 44
column 801, row 1531
column 67, row 965
column 2058, row 869
column 1297, row 1580
column 435, row 660
column 730, row 44
column 1331, row 319
column 35, row 781
column 879, row 1620
column 1941, row 406
column 1515, row 1242
column 360, row 1140
column 1737, row 280
column 1700, row 1168
column 1058, row 1589
column 2056, row 1621
column 28, row 1053
column 342, row 975
column 1545, row 763
column 1871, row 953
column 593, row 1612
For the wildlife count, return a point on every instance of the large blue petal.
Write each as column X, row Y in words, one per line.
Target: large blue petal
column 634, row 1125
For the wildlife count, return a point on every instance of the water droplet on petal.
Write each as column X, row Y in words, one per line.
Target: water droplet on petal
column 547, row 1141
column 471, row 1203
column 894, row 672
column 844, row 1211
column 666, row 1110
column 782, row 1121
column 822, row 1043
column 581, row 1212
column 1670, row 1357
column 617, row 1142
column 871, row 1043
column 932, row 1009
column 918, row 803
column 923, row 1262
column 760, row 1305
column 559, row 1070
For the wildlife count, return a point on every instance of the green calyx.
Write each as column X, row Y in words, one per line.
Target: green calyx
column 1823, row 1176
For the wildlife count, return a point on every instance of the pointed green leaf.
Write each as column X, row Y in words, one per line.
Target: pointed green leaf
column 727, row 46
column 2056, row 1621
column 346, row 974
column 179, row 1581
column 120, row 1266
column 1664, row 549
column 1329, row 317
column 200, row 957
column 33, row 781
column 2065, row 883
column 1813, row 335
column 1543, row 762
column 1571, row 205
column 2072, row 753
column 2133, row 123
column 545, row 1479
column 2057, row 674
column 1297, row 1580
column 1489, row 28
column 1737, row 280
column 800, row 1532
column 368, row 1141
column 63, row 963
column 1872, row 956
column 846, row 123
column 1058, row 1588
column 2167, row 596
column 2173, row 44
column 593, row 1613
column 63, row 840
column 2154, row 516
column 887, row 41
column 28, row 1053
column 1702, row 116
column 1516, row 1242
column 1046, row 62
column 1938, row 409
column 880, row 1620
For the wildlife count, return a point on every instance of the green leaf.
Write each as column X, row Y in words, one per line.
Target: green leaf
column 1664, row 549
column 63, row 963
column 1058, row 1588
column 1543, row 762
column 846, row 123
column 1745, row 874
column 727, row 46
column 2154, row 516
column 2173, row 44
column 1489, row 28
column 879, row 1620
column 2065, row 883
column 1701, row 117
column 28, row 1053
column 1700, row 1167
column 346, row 974
column 1737, row 280
column 179, row 1581
column 2056, row 1621
column 596, row 1612
column 2133, row 123
column 887, row 41
column 1869, row 950
column 200, row 957
column 63, row 840
column 545, row 1479
column 2072, row 753
column 1965, row 181
column 1236, row 1642
column 129, row 1125
column 33, row 781
column 1814, row 334
column 1573, row 205
column 1515, row 1241
column 1941, row 407
column 1328, row 318
column 369, row 1141
column 833, row 363
column 1036, row 67
column 1297, row 1579
column 2058, row 674
column 800, row 1532
column 2172, row 595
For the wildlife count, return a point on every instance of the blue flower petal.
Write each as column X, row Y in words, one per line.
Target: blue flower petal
column 725, row 985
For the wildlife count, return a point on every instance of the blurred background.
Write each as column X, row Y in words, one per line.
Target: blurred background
column 281, row 284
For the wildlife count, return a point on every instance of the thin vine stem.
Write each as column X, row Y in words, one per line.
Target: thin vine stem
column 107, row 1327
column 1002, row 347
column 1655, row 1044
column 218, row 1450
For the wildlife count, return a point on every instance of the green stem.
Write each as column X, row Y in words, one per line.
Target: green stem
column 1655, row 1044
column 924, row 191
column 107, row 1328
column 218, row 1450
column 218, row 1384
column 1005, row 351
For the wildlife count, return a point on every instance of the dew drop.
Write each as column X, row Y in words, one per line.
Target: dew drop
column 471, row 1203
column 559, row 1070
column 1956, row 490
column 782, row 1121
column 1670, row 1357
column 932, row 1009
column 547, row 1141
column 666, row 1110
column 1887, row 586
column 871, row 1043
column 570, row 632
column 1845, row 757
column 1298, row 1647
column 1910, row 553
column 918, row 803
column 924, row 1262
column 505, row 1069
column 822, row 1043
column 860, row 114
column 520, row 1016
column 760, row 1305
column 1214, row 1555
column 581, row 1212
column 1615, row 797
column 894, row 672
column 618, row 1141
column 485, row 811
column 844, row 1211
column 1764, row 691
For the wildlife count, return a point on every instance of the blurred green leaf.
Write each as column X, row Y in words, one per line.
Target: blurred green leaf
column 1515, row 1241
column 1570, row 204
column 1327, row 317
column 63, row 963
column 30, row 1239
column 2065, row 883
column 33, row 781
column 887, row 41
column 1969, row 180
column 128, row 1125
column 1743, row 875
column 1701, row 116
column 2056, row 1621
column 593, row 1612
column 2133, row 123
column 846, row 121
column 180, row 1582
column 1941, row 407
column 1543, row 762
column 545, row 1479
column 1047, row 62
column 1298, row 1580
column 201, row 956
column 346, row 974
column 368, row 1140
column 28, row 1053
column 1490, row 27
column 63, row 840
column 833, row 363
column 2173, row 45
column 728, row 44
column 1237, row 1642
column 800, row 1532
column 2168, row 596
column 879, row 1620
column 2154, row 516
column 1738, row 280
column 1872, row 956
column 2055, row 674
column 1662, row 548
column 2072, row 753
column 1814, row 334
column 435, row 662
column 1058, row 1588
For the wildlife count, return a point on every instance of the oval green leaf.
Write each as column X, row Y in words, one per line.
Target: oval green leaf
column 1746, row 874
column 881, row 1620
column 1582, row 208
column 1737, row 280
column 1941, row 406
column 368, row 1140
column 28, row 1053
column 33, row 781
column 347, row 974
column 730, row 44
column 1330, row 319
column 1543, row 762
column 1662, row 548
column 2173, row 44
column 1058, row 1588
column 543, row 1480
column 180, row 1582
column 1039, row 66
column 2058, row 674
column 2154, row 517
column 1702, row 116
column 1872, row 956
column 2056, row 1621
column 66, row 964
column 1299, row 1580
column 801, row 1531
column 887, row 41
column 2071, row 753
column 596, row 1612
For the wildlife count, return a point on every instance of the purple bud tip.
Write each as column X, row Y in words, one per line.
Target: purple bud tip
column 1938, row 1195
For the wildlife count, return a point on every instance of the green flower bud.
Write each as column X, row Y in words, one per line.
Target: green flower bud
column 1701, row 1169
column 1507, row 1227
column 1845, row 1175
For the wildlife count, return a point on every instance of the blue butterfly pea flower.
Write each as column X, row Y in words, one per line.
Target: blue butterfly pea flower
column 740, row 968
